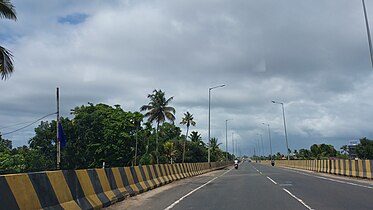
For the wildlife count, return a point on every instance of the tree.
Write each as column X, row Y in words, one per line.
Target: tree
column 5, row 144
column 214, row 149
column 103, row 134
column 323, row 151
column 169, row 151
column 364, row 150
column 195, row 137
column 304, row 154
column 158, row 111
column 344, row 149
column 187, row 120
column 7, row 11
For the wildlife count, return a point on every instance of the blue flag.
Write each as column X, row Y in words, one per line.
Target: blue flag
column 61, row 136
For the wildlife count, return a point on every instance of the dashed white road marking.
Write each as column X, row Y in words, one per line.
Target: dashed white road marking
column 271, row 180
column 296, row 198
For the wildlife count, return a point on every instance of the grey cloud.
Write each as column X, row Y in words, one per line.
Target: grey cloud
column 312, row 55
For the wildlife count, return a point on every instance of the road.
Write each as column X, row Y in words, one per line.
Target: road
column 257, row 186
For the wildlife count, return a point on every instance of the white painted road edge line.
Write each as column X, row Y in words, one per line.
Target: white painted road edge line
column 191, row 192
column 271, row 180
column 303, row 203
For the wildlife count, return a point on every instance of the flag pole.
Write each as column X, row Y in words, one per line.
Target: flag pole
column 58, row 121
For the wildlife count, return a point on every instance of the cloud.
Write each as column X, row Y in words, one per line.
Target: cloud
column 312, row 55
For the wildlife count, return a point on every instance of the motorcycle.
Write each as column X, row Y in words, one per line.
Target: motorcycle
column 236, row 165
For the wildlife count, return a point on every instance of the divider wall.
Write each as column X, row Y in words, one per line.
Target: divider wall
column 353, row 168
column 91, row 188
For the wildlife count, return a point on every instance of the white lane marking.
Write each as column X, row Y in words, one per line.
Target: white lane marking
column 256, row 169
column 334, row 180
column 260, row 172
column 191, row 192
column 271, row 180
column 302, row 202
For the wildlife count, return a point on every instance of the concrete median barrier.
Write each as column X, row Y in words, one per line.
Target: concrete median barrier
column 352, row 168
column 91, row 188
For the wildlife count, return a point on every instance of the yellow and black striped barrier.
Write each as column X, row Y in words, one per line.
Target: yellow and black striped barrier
column 91, row 188
column 352, row 168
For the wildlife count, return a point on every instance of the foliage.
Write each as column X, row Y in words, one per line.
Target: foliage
column 187, row 120
column 5, row 144
column 304, row 154
column 216, row 154
column 322, row 151
column 364, row 150
column 195, row 137
column 158, row 111
column 6, row 58
column 104, row 133
column 99, row 133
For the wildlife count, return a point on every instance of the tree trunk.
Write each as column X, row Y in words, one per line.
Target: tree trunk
column 186, row 137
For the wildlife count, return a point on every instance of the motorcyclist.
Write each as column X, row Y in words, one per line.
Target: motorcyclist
column 235, row 162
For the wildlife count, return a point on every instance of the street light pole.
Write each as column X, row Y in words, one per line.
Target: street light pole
column 269, row 137
column 368, row 32
column 226, row 139
column 209, row 130
column 261, row 139
column 286, row 134
column 233, row 143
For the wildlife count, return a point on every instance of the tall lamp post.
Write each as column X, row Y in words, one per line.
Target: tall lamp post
column 233, row 143
column 226, row 139
column 261, row 139
column 368, row 32
column 286, row 134
column 209, row 146
column 269, row 137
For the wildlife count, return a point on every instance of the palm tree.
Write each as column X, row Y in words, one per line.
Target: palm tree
column 187, row 120
column 7, row 11
column 158, row 111
column 214, row 147
column 214, row 144
column 195, row 137
column 169, row 150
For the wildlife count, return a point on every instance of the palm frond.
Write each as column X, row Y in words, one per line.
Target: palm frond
column 7, row 10
column 169, row 109
column 6, row 63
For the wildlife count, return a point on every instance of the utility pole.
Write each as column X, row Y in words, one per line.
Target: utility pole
column 58, row 138
column 368, row 32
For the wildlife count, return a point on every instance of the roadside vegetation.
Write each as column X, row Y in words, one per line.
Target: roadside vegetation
column 364, row 150
column 100, row 133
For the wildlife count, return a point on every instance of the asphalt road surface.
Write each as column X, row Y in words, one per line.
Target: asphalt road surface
column 256, row 186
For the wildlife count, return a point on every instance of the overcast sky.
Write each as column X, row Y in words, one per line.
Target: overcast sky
column 313, row 55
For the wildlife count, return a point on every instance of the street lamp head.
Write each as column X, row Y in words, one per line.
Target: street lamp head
column 274, row 102
column 219, row 86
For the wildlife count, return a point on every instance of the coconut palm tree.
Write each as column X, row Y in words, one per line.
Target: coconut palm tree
column 169, row 150
column 195, row 137
column 214, row 147
column 158, row 111
column 7, row 11
column 187, row 120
